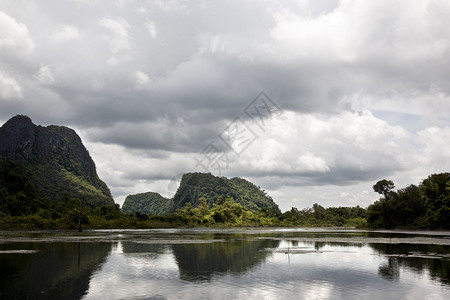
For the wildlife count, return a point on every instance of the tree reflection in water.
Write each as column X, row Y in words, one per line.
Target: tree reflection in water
column 200, row 262
column 55, row 271
column 417, row 258
column 390, row 270
column 143, row 264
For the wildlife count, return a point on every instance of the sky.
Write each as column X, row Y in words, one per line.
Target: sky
column 313, row 101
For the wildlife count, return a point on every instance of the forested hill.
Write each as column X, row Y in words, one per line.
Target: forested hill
column 147, row 203
column 48, row 162
column 194, row 186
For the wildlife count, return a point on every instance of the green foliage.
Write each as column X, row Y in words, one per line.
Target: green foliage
column 251, row 196
column 22, row 208
column 17, row 194
column 319, row 216
column 147, row 203
column 202, row 189
column 436, row 195
column 213, row 189
column 423, row 206
column 384, row 187
column 228, row 213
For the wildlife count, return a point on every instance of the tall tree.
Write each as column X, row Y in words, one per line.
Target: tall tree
column 384, row 187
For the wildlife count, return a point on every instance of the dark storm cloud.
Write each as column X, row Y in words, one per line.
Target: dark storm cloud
column 191, row 66
column 197, row 60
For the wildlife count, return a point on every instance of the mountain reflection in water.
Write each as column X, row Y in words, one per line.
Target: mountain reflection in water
column 198, row 262
column 222, row 264
column 55, row 271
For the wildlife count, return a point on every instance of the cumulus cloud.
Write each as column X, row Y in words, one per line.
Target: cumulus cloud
column 152, row 29
column 435, row 149
column 117, row 34
column 383, row 32
column 68, row 33
column 322, row 149
column 14, row 35
column 44, row 75
column 141, row 79
column 9, row 87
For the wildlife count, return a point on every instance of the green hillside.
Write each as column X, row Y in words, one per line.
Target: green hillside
column 147, row 203
column 194, row 186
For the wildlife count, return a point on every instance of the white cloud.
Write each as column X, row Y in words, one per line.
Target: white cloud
column 435, row 151
column 310, row 162
column 141, row 79
column 340, row 146
column 68, row 33
column 172, row 6
column 44, row 75
column 14, row 36
column 152, row 29
column 392, row 31
column 117, row 34
column 9, row 87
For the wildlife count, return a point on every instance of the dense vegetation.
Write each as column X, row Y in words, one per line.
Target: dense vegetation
column 147, row 203
column 213, row 189
column 319, row 216
column 424, row 206
column 65, row 214
column 22, row 208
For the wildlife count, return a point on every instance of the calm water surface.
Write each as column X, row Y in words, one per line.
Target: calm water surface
column 225, row 264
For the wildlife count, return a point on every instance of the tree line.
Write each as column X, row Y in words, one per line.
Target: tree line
column 425, row 206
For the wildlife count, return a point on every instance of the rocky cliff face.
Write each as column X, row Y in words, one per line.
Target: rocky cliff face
column 17, row 137
column 55, row 159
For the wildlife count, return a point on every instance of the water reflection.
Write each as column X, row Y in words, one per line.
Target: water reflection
column 55, row 271
column 198, row 264
column 420, row 259
column 390, row 270
column 151, row 249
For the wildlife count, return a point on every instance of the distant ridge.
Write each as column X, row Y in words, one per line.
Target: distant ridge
column 193, row 186
column 54, row 159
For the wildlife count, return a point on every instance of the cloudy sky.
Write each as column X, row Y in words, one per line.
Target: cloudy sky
column 314, row 101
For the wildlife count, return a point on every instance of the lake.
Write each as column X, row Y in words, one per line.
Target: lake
column 200, row 263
